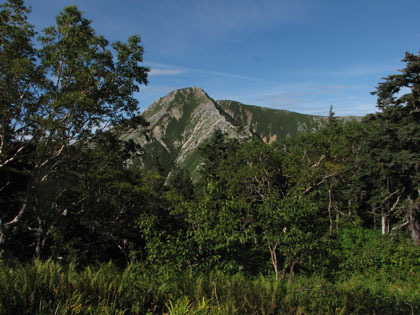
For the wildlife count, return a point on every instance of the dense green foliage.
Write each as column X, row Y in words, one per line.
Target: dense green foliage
column 324, row 222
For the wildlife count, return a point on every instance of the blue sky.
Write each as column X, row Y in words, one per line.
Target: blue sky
column 299, row 55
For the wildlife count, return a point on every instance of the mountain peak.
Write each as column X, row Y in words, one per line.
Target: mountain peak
column 175, row 98
column 182, row 121
column 189, row 90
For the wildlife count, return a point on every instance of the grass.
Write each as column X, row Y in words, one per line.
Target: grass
column 46, row 287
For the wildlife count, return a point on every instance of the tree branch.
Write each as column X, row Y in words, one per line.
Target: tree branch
column 319, row 162
column 4, row 186
column 12, row 157
column 319, row 183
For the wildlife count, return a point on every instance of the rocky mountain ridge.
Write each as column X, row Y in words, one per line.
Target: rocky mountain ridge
column 180, row 123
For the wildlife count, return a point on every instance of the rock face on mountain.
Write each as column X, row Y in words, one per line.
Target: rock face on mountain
column 185, row 119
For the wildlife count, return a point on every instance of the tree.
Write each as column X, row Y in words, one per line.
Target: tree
column 87, row 84
column 95, row 216
column 20, row 79
column 182, row 183
column 218, row 147
column 294, row 228
column 396, row 144
column 313, row 165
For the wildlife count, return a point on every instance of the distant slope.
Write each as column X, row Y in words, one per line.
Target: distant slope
column 271, row 124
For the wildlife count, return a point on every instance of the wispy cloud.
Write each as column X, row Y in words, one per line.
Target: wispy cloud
column 167, row 69
column 335, row 87
column 285, row 99
column 223, row 74
column 159, row 71
column 163, row 89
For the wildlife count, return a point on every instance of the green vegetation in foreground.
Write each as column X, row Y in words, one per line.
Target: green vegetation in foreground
column 46, row 287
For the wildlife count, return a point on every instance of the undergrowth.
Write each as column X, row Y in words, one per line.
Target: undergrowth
column 47, row 287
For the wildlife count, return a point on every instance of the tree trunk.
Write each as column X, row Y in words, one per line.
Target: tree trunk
column 3, row 238
column 414, row 216
column 7, row 229
column 384, row 229
column 292, row 267
column 337, row 217
column 374, row 216
column 329, row 209
column 10, row 228
column 39, row 242
column 273, row 255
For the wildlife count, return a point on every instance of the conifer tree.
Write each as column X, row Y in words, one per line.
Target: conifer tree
column 396, row 144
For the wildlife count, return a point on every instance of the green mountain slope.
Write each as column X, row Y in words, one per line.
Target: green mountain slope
column 271, row 124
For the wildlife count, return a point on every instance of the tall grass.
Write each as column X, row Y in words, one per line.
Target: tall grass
column 49, row 288
column 46, row 287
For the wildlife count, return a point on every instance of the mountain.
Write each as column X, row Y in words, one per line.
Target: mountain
column 179, row 123
column 185, row 119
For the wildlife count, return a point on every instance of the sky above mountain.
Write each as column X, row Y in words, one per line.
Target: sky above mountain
column 299, row 55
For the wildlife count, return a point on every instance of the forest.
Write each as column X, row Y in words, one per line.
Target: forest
column 323, row 223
